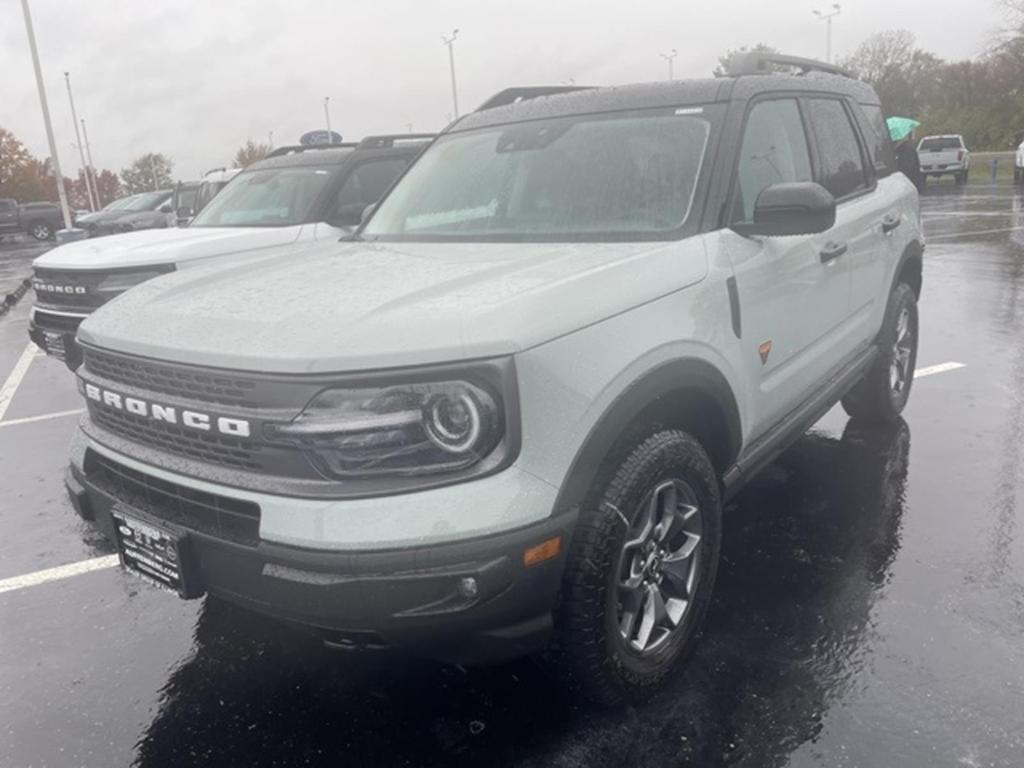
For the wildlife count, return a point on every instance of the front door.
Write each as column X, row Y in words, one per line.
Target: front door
column 793, row 301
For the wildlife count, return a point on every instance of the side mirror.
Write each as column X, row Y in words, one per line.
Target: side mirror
column 166, row 208
column 184, row 212
column 795, row 208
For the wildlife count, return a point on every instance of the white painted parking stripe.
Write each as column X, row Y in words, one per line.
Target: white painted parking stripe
column 940, row 368
column 60, row 572
column 43, row 417
column 14, row 380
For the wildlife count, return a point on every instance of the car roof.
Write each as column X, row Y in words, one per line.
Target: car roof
column 675, row 93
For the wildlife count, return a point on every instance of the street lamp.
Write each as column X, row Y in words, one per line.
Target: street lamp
column 45, row 107
column 81, row 148
column 450, row 42
column 92, row 166
column 827, row 18
column 668, row 57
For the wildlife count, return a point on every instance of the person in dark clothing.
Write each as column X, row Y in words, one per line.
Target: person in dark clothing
column 908, row 162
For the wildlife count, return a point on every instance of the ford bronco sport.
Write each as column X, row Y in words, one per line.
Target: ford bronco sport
column 296, row 195
column 505, row 417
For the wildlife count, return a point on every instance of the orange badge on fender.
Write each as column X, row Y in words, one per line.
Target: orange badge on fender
column 764, row 350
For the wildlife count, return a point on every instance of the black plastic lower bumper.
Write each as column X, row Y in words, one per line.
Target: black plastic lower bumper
column 56, row 342
column 468, row 602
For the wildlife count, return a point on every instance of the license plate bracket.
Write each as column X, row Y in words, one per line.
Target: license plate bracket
column 156, row 552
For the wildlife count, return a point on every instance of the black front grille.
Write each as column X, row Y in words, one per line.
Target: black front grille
column 201, row 446
column 177, row 381
column 50, row 321
column 219, row 516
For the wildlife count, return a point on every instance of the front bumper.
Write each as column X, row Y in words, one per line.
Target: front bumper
column 410, row 598
column 54, row 331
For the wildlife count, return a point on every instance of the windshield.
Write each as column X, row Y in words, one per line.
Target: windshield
column 272, row 197
column 145, row 202
column 118, row 204
column 939, row 144
column 567, row 178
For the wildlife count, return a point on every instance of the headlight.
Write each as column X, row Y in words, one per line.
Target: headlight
column 418, row 428
column 119, row 282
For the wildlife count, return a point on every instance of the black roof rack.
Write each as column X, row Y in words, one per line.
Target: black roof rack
column 512, row 95
column 386, row 140
column 760, row 63
column 296, row 148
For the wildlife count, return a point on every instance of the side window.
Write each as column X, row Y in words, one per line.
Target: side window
column 364, row 186
column 882, row 153
column 773, row 151
column 841, row 166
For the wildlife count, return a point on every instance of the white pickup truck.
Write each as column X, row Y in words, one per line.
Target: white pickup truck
column 946, row 154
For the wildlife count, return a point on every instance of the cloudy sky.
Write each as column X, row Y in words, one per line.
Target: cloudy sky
column 197, row 78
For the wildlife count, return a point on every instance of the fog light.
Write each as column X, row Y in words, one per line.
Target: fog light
column 468, row 587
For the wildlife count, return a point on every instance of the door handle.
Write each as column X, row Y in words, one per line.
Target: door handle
column 890, row 222
column 832, row 251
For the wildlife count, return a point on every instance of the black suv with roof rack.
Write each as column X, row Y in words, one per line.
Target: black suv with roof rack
column 298, row 195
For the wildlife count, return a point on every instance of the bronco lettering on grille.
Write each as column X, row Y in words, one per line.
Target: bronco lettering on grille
column 204, row 422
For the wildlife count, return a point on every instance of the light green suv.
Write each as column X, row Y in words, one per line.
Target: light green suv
column 505, row 414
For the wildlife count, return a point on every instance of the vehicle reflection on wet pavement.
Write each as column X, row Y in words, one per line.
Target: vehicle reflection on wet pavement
column 869, row 609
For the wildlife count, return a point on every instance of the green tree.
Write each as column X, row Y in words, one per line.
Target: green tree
column 723, row 61
column 108, row 186
column 148, row 173
column 21, row 174
column 250, row 152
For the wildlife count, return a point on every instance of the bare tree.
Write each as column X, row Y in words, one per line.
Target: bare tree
column 250, row 152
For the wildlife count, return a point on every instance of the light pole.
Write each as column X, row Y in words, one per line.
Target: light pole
column 270, row 137
column 827, row 18
column 669, row 57
column 450, row 42
column 92, row 168
column 81, row 148
column 327, row 116
column 45, row 107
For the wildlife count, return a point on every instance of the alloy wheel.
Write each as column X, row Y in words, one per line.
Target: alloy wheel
column 658, row 567
column 902, row 351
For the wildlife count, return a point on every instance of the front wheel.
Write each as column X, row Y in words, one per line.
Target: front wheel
column 41, row 231
column 883, row 392
column 641, row 570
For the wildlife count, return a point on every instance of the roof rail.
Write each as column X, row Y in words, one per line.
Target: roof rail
column 760, row 63
column 512, row 95
column 297, row 148
column 386, row 140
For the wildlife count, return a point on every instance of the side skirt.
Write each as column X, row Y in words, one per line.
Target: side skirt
column 766, row 448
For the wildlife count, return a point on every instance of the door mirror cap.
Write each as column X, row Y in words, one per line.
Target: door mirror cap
column 166, row 208
column 184, row 212
column 795, row 208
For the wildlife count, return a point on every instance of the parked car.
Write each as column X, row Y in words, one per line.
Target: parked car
column 945, row 155
column 297, row 196
column 148, row 210
column 41, row 220
column 509, row 410
column 213, row 182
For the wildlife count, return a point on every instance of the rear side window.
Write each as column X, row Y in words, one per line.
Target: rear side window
column 774, row 151
column 840, row 164
column 882, row 153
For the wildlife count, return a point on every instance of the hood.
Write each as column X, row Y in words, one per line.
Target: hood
column 360, row 306
column 163, row 246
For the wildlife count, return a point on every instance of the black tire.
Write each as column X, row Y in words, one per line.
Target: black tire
column 601, row 662
column 40, row 230
column 881, row 395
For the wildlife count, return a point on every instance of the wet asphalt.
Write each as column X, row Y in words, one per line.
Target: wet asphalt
column 869, row 609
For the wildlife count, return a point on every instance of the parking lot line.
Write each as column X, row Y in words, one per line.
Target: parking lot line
column 14, row 380
column 55, row 574
column 940, row 368
column 43, row 417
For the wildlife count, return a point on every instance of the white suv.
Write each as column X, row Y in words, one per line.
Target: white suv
column 510, row 410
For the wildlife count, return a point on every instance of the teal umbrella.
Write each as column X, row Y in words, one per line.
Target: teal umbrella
column 901, row 127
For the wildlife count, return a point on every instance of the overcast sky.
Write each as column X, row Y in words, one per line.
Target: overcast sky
column 197, row 78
